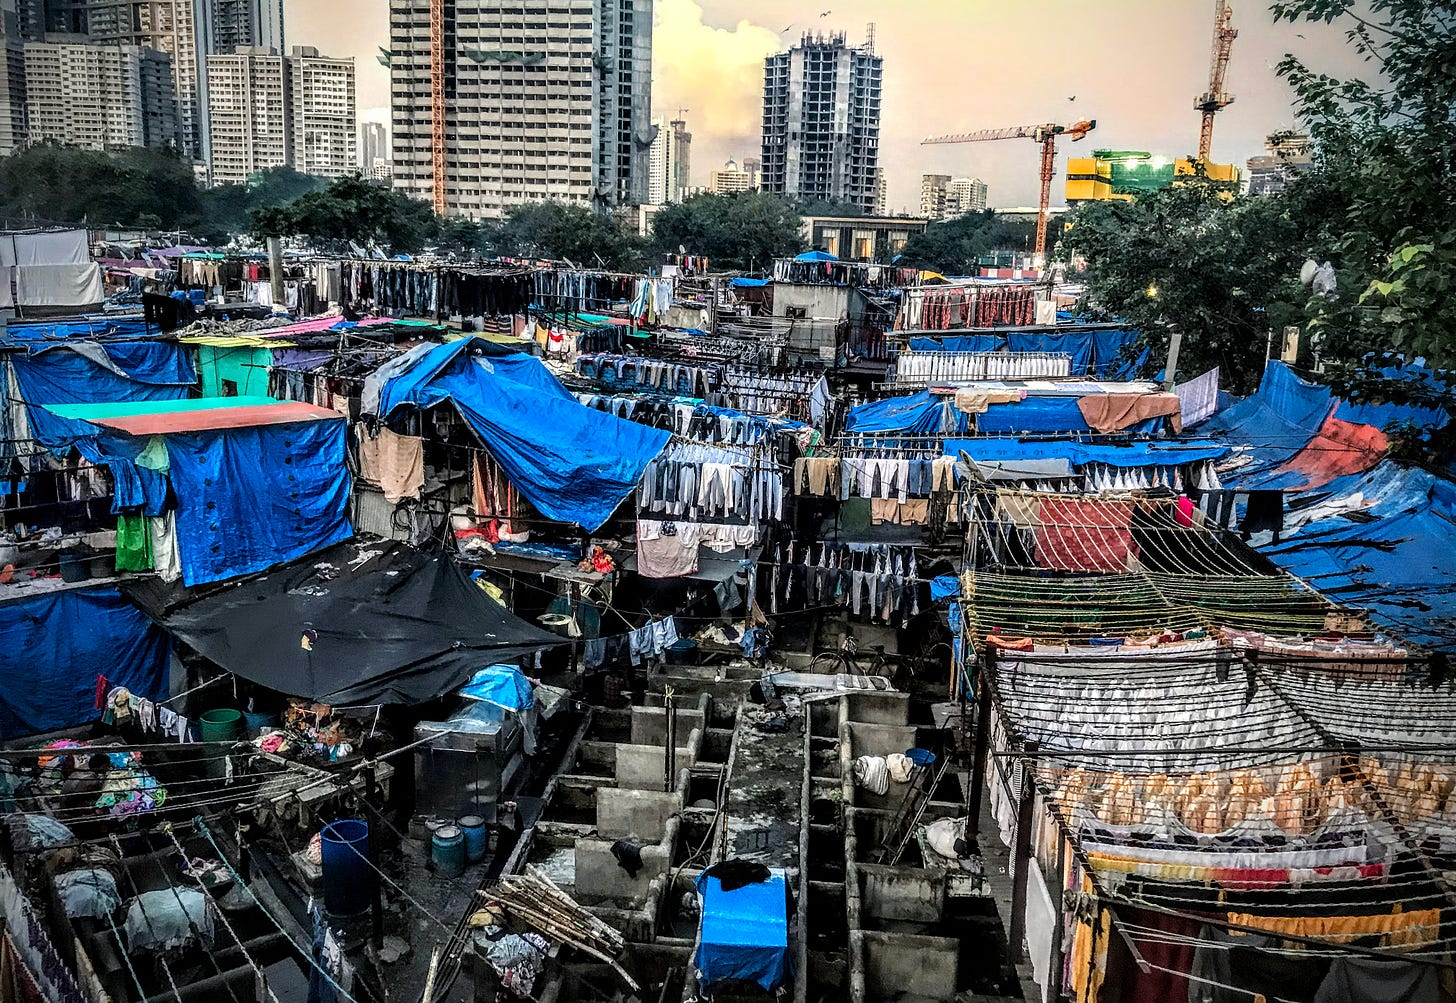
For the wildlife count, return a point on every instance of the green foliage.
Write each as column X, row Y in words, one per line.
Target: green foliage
column 1389, row 145
column 352, row 208
column 560, row 230
column 227, row 209
column 954, row 246
column 1379, row 205
column 55, row 184
column 736, row 232
column 1224, row 272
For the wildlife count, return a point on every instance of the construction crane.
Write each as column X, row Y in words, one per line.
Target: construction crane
column 1216, row 99
column 1046, row 135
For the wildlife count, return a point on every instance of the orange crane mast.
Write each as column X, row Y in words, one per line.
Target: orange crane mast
column 1216, row 98
column 1046, row 135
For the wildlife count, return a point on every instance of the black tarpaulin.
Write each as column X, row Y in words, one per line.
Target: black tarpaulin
column 354, row 624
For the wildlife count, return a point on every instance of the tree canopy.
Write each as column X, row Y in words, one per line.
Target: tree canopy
column 56, row 184
column 1379, row 204
column 736, row 232
column 352, row 209
column 955, row 246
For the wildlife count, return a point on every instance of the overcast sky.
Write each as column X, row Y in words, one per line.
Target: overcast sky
column 950, row 65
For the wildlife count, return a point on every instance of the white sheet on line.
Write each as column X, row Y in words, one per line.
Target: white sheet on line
column 72, row 286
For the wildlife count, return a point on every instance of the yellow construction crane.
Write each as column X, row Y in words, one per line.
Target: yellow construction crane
column 1046, row 135
column 1216, row 99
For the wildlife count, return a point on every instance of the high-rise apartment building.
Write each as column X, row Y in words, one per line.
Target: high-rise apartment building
column 170, row 27
column 882, row 192
column 730, row 179
column 12, row 79
column 965, row 195
column 498, row 103
column 932, row 195
column 374, row 150
column 945, row 197
column 821, row 121
column 223, row 25
column 669, row 162
column 269, row 110
column 37, row 18
column 249, row 103
column 323, row 120
column 98, row 97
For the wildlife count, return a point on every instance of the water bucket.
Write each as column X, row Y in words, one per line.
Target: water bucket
column 473, row 828
column 224, row 724
column 257, row 722
column 920, row 757
column 76, row 564
column 348, row 879
column 448, row 851
column 683, row 651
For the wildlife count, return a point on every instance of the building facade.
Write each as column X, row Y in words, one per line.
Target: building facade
column 821, row 121
column 249, row 104
column 501, row 104
column 223, row 25
column 870, row 238
column 1288, row 155
column 374, row 149
column 323, row 120
column 730, row 179
column 268, row 110
column 669, row 162
column 946, row 197
column 932, row 195
column 169, row 27
column 98, row 97
column 964, row 196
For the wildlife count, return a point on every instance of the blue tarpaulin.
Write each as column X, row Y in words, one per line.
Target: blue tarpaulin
column 1271, row 426
column 1132, row 454
column 56, row 644
column 1380, row 540
column 96, row 373
column 1094, row 351
column 815, row 256
column 575, row 464
column 745, row 932
column 742, row 282
column 1383, row 415
column 503, row 686
column 959, row 343
column 249, row 498
column 918, row 414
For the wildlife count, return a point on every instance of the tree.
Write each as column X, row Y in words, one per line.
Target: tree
column 560, row 230
column 1224, row 272
column 48, row 183
column 1389, row 145
column 955, row 246
column 352, row 209
column 735, row 232
column 227, row 209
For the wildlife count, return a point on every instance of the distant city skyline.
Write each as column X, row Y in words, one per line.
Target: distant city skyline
column 950, row 65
